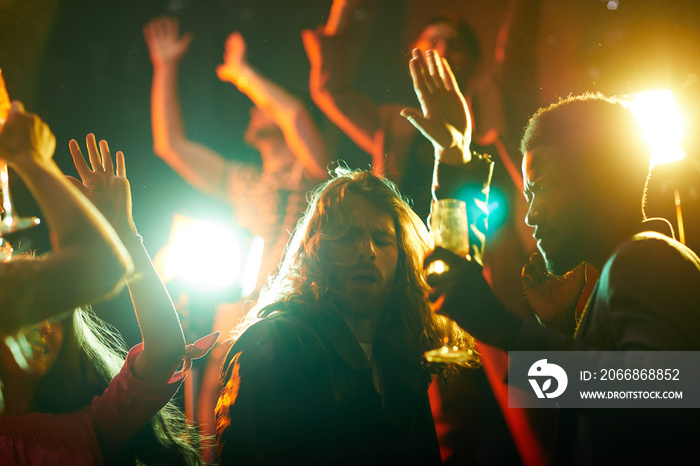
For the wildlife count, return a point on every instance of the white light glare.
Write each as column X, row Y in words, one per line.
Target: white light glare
column 249, row 279
column 204, row 253
column 661, row 123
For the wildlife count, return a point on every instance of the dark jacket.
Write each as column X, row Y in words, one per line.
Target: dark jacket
column 300, row 390
column 647, row 299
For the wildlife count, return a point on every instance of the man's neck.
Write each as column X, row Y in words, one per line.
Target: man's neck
column 363, row 327
column 610, row 242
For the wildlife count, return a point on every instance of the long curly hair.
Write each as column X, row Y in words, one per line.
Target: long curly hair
column 302, row 282
column 91, row 355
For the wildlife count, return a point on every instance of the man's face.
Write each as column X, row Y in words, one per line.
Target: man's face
column 443, row 38
column 261, row 128
column 363, row 261
column 558, row 208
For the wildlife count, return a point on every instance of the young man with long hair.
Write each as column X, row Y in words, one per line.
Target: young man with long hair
column 328, row 366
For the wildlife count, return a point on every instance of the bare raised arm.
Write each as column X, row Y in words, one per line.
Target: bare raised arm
column 88, row 260
column 200, row 166
column 286, row 110
column 330, row 87
column 340, row 17
column 445, row 121
column 108, row 187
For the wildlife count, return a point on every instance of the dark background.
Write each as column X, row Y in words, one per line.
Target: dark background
column 83, row 67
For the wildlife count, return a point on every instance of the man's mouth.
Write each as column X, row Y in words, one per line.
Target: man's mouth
column 364, row 279
column 365, row 276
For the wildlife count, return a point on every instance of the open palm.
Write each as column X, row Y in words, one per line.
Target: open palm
column 163, row 41
column 444, row 119
column 104, row 184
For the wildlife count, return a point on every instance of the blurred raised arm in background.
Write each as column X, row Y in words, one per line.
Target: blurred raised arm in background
column 284, row 109
column 394, row 146
column 268, row 201
column 201, row 166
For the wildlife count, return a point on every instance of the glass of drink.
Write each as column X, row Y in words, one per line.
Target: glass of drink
column 449, row 229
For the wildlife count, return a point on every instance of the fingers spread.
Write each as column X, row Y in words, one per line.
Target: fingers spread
column 420, row 73
column 94, row 153
column 434, row 67
column 78, row 158
column 450, row 81
column 157, row 25
column 121, row 166
column 106, row 157
column 148, row 32
column 419, row 84
column 172, row 27
column 441, row 71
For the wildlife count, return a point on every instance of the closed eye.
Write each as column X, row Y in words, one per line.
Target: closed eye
column 382, row 239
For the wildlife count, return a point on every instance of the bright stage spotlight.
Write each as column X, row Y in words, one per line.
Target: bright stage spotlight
column 209, row 255
column 661, row 123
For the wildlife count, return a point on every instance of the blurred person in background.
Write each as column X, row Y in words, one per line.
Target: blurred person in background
column 267, row 201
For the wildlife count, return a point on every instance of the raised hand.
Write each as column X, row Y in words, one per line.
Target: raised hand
column 104, row 184
column 108, row 188
column 164, row 44
column 24, row 136
column 445, row 119
column 234, row 59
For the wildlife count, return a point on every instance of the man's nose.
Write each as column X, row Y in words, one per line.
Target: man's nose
column 366, row 247
column 533, row 214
